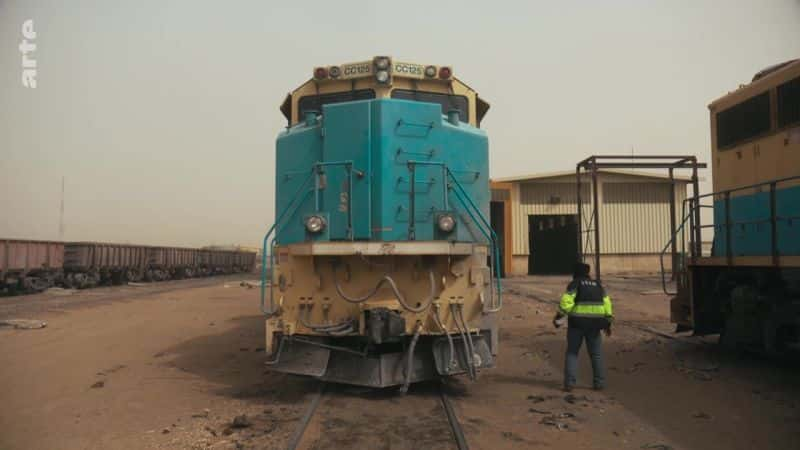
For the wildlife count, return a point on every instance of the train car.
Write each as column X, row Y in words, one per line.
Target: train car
column 748, row 288
column 246, row 261
column 88, row 264
column 383, row 265
column 29, row 266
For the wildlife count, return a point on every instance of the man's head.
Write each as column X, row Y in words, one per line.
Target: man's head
column 581, row 270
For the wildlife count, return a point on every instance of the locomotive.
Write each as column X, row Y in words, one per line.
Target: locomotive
column 747, row 289
column 383, row 269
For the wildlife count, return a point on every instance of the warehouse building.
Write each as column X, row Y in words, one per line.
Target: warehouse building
column 535, row 217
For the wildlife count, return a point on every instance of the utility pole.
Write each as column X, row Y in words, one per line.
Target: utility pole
column 61, row 217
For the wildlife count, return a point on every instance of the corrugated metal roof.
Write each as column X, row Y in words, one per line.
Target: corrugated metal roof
column 571, row 174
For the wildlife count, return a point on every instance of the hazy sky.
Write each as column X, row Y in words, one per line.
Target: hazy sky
column 162, row 116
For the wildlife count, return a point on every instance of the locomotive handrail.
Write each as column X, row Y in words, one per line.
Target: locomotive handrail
column 264, row 246
column 664, row 251
column 728, row 223
column 491, row 236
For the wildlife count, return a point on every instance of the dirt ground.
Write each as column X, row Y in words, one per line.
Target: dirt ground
column 170, row 365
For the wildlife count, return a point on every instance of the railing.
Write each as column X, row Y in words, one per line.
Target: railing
column 695, row 228
column 488, row 232
column 729, row 223
column 293, row 205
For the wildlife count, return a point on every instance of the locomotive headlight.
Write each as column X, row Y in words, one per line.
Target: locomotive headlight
column 382, row 63
column 382, row 76
column 315, row 224
column 430, row 71
column 446, row 222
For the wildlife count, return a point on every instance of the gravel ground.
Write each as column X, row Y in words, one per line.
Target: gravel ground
column 172, row 365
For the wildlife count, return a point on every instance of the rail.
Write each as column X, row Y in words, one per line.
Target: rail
column 299, row 440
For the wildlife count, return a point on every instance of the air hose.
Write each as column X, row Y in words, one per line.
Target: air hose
column 410, row 359
column 467, row 350
column 469, row 341
column 440, row 324
column 338, row 329
column 387, row 279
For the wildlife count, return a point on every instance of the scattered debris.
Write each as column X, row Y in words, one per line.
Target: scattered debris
column 211, row 430
column 551, row 421
column 657, row 447
column 545, row 333
column 635, row 368
column 652, row 292
column 536, row 398
column 572, row 399
column 250, row 284
column 539, row 411
column 23, row 324
column 511, row 436
column 241, row 421
column 98, row 384
column 202, row 415
column 165, row 431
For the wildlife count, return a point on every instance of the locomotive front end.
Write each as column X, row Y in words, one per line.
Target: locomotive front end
column 381, row 266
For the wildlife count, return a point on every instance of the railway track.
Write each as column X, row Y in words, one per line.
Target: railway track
column 298, row 437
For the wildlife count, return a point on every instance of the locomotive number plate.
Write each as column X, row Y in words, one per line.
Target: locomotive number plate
column 356, row 70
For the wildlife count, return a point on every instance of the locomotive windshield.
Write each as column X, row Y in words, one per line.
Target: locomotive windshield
column 315, row 102
column 447, row 101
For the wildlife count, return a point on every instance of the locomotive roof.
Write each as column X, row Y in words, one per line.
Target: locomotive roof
column 369, row 69
column 763, row 79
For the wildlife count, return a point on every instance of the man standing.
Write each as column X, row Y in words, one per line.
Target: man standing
column 588, row 309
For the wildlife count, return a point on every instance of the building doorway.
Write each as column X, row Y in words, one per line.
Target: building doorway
column 553, row 244
column 497, row 218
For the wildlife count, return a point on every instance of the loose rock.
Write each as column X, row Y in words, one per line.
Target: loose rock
column 241, row 421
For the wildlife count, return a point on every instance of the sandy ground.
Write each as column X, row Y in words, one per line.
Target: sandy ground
column 170, row 365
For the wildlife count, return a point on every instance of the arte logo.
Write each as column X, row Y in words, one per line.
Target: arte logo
column 26, row 47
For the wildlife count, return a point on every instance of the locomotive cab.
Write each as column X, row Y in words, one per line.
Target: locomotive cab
column 382, row 265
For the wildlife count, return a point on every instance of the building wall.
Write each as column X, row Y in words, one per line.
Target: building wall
column 634, row 217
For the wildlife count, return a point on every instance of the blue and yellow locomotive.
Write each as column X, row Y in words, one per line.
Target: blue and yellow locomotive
column 748, row 288
column 382, row 266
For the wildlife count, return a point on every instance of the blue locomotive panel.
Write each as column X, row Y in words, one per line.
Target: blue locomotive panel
column 369, row 153
column 751, row 227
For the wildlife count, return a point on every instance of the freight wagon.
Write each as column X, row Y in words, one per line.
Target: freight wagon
column 29, row 266
column 32, row 266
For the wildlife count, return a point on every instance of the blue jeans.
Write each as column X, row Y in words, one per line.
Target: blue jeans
column 594, row 344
